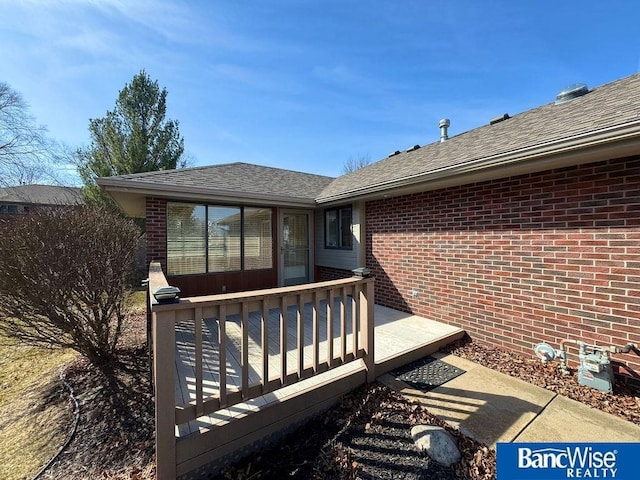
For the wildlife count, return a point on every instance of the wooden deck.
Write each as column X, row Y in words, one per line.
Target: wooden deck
column 219, row 394
column 399, row 337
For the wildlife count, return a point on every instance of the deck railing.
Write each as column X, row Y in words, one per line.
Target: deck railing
column 340, row 302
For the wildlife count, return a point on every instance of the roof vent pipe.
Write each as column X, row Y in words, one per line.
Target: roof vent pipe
column 572, row 91
column 444, row 125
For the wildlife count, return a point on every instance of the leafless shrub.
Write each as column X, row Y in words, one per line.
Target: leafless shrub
column 64, row 279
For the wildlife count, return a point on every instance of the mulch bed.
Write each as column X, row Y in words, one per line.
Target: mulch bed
column 115, row 434
column 366, row 436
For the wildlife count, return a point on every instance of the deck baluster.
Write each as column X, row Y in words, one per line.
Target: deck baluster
column 283, row 340
column 330, row 315
column 198, row 351
column 315, row 309
column 265, row 345
column 343, row 324
column 222, row 355
column 300, row 334
column 244, row 326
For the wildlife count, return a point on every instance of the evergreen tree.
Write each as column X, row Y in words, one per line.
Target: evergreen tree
column 135, row 137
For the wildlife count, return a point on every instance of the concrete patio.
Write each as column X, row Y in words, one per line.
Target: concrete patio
column 492, row 407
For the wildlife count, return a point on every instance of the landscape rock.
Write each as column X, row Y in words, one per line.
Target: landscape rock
column 436, row 442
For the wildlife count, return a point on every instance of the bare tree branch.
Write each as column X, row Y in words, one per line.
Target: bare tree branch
column 356, row 163
column 26, row 153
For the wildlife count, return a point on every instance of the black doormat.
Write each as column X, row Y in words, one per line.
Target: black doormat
column 427, row 373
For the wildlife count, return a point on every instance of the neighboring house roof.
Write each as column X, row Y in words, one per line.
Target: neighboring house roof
column 602, row 124
column 241, row 182
column 41, row 195
column 606, row 114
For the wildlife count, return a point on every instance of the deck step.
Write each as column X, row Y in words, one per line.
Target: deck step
column 417, row 352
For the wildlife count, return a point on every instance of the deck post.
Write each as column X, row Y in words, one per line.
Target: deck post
column 164, row 342
column 367, row 324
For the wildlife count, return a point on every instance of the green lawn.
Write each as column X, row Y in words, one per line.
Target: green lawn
column 35, row 413
column 138, row 299
column 33, row 424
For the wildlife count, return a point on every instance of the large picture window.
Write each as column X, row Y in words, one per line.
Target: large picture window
column 337, row 228
column 186, row 244
column 225, row 235
column 217, row 238
column 258, row 239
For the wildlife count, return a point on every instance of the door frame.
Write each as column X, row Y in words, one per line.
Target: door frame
column 310, row 239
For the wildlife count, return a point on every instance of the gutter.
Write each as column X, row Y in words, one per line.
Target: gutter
column 620, row 140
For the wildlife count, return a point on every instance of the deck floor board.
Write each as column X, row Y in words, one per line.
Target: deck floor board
column 395, row 332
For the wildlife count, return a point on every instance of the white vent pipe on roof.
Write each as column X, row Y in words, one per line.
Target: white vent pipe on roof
column 444, row 125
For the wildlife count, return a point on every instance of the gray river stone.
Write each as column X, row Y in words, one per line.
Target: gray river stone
column 437, row 443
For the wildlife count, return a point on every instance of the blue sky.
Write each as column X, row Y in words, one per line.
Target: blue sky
column 305, row 85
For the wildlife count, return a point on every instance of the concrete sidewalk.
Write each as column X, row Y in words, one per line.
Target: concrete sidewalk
column 493, row 407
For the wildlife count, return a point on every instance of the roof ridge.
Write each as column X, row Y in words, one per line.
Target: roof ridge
column 298, row 172
column 216, row 165
column 171, row 170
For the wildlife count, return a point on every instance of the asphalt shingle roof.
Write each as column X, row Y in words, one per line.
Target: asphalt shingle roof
column 236, row 177
column 612, row 104
column 41, row 195
column 607, row 106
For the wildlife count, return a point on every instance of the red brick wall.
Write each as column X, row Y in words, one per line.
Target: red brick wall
column 538, row 257
column 157, row 231
column 325, row 274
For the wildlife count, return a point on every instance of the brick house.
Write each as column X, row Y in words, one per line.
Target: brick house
column 523, row 230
